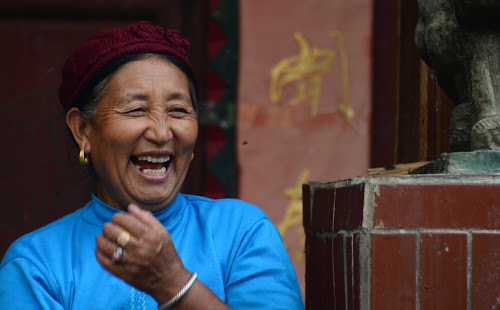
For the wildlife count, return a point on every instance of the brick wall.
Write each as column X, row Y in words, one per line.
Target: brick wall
column 405, row 242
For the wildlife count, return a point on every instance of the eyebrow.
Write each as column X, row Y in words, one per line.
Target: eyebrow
column 130, row 96
column 134, row 96
column 180, row 96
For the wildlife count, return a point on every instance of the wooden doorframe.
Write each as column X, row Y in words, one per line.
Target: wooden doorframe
column 411, row 113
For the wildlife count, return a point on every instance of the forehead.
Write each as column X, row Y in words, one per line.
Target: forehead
column 149, row 69
column 145, row 79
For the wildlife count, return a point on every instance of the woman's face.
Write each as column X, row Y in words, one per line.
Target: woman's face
column 143, row 134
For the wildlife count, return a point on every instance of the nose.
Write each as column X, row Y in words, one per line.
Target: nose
column 158, row 130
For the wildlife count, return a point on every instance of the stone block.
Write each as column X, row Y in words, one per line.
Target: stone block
column 485, row 270
column 403, row 242
column 393, row 265
column 443, row 271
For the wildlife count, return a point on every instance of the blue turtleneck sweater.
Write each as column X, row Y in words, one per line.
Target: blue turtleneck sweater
column 232, row 245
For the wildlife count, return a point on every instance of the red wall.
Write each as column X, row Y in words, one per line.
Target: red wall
column 287, row 140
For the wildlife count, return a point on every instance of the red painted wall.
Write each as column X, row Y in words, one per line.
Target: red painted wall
column 311, row 120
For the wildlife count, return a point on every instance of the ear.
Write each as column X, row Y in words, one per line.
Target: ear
column 80, row 128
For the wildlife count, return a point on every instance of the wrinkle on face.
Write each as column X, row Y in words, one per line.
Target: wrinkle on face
column 146, row 108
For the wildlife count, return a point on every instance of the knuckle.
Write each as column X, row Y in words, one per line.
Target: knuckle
column 133, row 269
column 107, row 229
column 117, row 217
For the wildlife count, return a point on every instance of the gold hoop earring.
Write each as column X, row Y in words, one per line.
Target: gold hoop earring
column 83, row 158
column 192, row 156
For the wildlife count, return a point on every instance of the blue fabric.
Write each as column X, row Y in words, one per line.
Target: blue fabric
column 232, row 245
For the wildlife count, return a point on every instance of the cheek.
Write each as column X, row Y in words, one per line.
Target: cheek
column 191, row 133
column 118, row 136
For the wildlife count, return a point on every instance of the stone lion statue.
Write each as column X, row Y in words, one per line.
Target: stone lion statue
column 460, row 41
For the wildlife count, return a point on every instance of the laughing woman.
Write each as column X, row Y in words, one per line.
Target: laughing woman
column 139, row 243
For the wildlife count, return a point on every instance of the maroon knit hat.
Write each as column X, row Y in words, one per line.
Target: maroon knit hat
column 109, row 45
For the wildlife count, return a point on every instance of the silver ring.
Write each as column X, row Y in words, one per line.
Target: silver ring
column 117, row 256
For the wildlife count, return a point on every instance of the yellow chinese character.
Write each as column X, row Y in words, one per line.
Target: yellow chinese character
column 293, row 212
column 307, row 69
column 345, row 104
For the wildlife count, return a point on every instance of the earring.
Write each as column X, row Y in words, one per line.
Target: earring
column 83, row 158
column 192, row 156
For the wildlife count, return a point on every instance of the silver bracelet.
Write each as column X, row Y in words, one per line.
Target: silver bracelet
column 179, row 295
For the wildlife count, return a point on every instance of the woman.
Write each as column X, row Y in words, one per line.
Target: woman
column 131, row 107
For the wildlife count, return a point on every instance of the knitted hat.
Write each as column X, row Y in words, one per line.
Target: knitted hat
column 109, row 45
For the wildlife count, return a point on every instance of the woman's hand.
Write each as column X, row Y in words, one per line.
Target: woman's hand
column 150, row 262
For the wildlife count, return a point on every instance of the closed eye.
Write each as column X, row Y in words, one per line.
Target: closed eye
column 136, row 112
column 179, row 111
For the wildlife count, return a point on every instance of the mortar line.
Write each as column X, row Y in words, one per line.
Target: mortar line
column 369, row 205
column 418, row 245
column 344, row 246
column 333, row 207
column 469, row 271
column 429, row 179
column 434, row 230
column 333, row 276
column 311, row 200
column 365, row 269
column 353, row 283
column 331, row 234
column 365, row 248
column 333, row 253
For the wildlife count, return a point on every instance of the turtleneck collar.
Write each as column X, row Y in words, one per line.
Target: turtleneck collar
column 97, row 212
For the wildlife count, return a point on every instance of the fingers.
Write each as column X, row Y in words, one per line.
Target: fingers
column 137, row 221
column 123, row 238
column 138, row 232
column 114, row 236
column 145, row 216
column 131, row 255
column 117, row 234
column 128, row 222
column 149, row 255
column 104, row 251
column 105, row 257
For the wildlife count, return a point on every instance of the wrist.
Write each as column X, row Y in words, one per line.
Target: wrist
column 179, row 295
column 170, row 285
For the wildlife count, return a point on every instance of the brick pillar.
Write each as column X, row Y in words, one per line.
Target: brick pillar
column 403, row 242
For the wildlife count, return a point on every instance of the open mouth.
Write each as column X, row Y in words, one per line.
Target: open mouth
column 153, row 165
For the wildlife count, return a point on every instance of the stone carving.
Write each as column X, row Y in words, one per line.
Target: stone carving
column 460, row 41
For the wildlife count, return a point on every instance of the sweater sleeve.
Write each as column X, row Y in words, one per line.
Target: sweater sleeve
column 262, row 276
column 24, row 286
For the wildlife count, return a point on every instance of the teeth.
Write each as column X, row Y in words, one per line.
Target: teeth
column 155, row 171
column 154, row 159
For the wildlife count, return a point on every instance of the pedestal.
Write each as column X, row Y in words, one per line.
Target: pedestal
column 403, row 242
